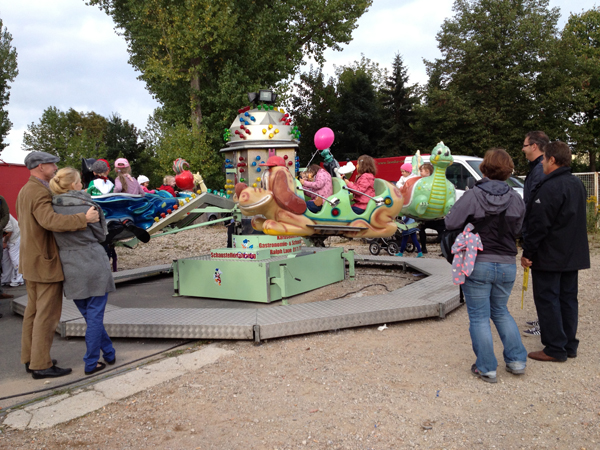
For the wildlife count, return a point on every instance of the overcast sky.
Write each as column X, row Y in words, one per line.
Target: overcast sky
column 70, row 57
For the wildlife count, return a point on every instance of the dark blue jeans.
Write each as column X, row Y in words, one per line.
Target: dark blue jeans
column 405, row 238
column 357, row 210
column 312, row 207
column 486, row 292
column 96, row 338
column 555, row 297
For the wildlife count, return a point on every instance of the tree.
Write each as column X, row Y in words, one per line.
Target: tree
column 581, row 36
column 8, row 73
column 499, row 77
column 205, row 55
column 312, row 104
column 124, row 140
column 69, row 135
column 169, row 142
column 73, row 135
column 357, row 120
column 398, row 102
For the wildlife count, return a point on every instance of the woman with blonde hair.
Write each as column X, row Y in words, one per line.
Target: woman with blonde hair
column 125, row 183
column 366, row 168
column 88, row 278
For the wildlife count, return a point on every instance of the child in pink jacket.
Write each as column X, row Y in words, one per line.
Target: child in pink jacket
column 318, row 181
column 365, row 183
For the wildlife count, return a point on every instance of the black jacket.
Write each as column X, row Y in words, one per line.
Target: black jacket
column 535, row 175
column 556, row 239
column 490, row 198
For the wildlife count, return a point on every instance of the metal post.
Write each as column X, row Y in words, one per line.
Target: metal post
column 349, row 256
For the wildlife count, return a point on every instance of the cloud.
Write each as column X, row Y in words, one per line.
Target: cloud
column 70, row 57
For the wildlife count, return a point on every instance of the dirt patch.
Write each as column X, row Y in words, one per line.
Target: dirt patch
column 408, row 386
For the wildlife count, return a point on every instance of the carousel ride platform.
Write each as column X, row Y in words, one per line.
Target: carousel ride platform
column 431, row 296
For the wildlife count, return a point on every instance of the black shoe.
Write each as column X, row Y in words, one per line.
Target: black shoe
column 139, row 233
column 28, row 370
column 110, row 363
column 52, row 372
column 571, row 355
column 98, row 368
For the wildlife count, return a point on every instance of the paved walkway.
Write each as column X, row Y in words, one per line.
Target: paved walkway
column 71, row 405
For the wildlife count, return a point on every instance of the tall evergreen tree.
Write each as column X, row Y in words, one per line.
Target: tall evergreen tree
column 398, row 100
column 499, row 77
column 8, row 73
column 357, row 121
column 312, row 105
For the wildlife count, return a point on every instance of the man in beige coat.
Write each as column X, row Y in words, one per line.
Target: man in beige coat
column 40, row 264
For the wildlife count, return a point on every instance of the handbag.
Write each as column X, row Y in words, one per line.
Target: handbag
column 449, row 236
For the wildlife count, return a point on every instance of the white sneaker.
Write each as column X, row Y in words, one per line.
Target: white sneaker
column 16, row 284
column 535, row 331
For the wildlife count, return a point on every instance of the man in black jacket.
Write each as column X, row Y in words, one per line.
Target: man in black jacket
column 533, row 146
column 556, row 248
column 533, row 149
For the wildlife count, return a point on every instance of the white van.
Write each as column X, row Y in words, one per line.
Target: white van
column 464, row 172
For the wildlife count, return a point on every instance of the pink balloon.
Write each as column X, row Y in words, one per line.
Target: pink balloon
column 324, row 138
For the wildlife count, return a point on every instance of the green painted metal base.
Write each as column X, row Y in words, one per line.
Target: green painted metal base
column 244, row 274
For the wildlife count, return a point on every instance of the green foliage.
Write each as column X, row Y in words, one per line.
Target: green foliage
column 499, row 77
column 398, row 101
column 358, row 118
column 581, row 37
column 8, row 73
column 312, row 105
column 350, row 105
column 169, row 142
column 593, row 215
column 69, row 135
column 199, row 58
column 74, row 135
column 122, row 140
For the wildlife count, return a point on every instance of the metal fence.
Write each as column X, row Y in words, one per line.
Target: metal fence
column 591, row 182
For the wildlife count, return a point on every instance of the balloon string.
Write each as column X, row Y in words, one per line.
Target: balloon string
column 312, row 157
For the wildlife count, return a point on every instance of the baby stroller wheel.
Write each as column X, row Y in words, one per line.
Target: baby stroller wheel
column 393, row 248
column 374, row 248
column 410, row 247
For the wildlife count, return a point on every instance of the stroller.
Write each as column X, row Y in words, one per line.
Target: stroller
column 391, row 244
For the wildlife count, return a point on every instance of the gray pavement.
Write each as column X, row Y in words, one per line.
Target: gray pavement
column 75, row 403
column 14, row 381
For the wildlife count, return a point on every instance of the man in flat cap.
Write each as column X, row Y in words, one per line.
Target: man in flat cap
column 40, row 264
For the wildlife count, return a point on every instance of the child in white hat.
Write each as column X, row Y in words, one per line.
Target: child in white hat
column 144, row 182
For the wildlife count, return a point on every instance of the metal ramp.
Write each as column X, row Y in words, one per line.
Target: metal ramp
column 433, row 296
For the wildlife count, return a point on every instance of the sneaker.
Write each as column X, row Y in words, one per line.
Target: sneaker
column 515, row 371
column 16, row 284
column 486, row 378
column 534, row 331
column 533, row 323
column 419, row 255
column 400, row 254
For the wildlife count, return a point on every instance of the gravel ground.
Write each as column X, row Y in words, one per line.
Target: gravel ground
column 408, row 386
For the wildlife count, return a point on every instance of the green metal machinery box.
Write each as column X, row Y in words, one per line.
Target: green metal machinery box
column 257, row 279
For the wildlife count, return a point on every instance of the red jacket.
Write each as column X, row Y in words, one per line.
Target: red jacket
column 169, row 189
column 365, row 183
